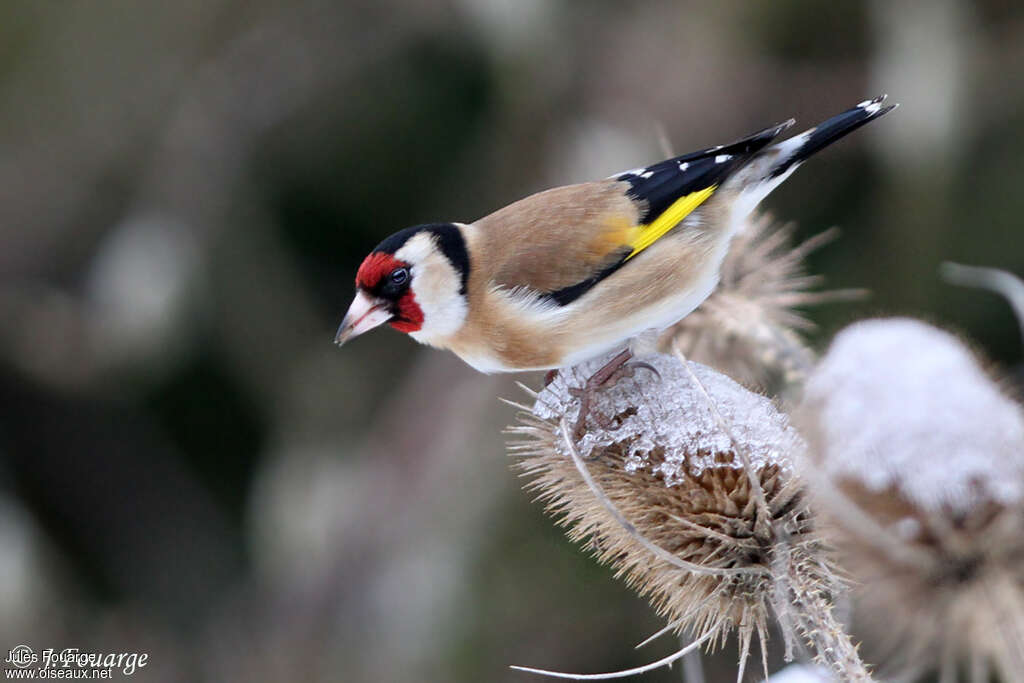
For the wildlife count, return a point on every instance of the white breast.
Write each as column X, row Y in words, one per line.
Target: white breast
column 658, row 317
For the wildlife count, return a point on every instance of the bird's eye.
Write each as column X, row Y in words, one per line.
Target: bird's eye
column 399, row 276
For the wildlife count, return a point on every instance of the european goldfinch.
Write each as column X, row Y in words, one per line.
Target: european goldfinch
column 575, row 272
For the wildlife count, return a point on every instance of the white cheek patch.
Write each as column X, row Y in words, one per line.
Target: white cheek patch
column 436, row 285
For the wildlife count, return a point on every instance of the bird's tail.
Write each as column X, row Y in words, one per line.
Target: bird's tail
column 769, row 168
column 799, row 147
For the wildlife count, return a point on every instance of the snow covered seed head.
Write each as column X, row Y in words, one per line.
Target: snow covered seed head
column 671, row 505
column 749, row 327
column 921, row 465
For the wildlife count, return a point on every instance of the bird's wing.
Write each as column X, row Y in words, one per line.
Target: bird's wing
column 562, row 242
column 559, row 237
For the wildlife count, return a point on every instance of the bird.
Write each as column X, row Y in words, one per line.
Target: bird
column 576, row 272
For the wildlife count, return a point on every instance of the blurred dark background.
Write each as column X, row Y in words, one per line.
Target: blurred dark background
column 189, row 468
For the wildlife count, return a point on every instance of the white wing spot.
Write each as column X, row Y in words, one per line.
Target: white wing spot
column 722, row 158
column 638, row 172
column 683, row 165
column 870, row 106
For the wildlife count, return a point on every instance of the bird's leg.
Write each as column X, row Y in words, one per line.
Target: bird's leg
column 595, row 382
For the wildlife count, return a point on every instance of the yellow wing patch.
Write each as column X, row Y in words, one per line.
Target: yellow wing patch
column 619, row 231
column 669, row 218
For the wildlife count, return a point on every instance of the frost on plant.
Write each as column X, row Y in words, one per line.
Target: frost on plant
column 692, row 499
column 674, row 434
column 902, row 405
column 920, row 465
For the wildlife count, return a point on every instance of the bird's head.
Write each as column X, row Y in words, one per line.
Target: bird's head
column 415, row 281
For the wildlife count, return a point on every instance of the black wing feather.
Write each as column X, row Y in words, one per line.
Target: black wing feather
column 661, row 184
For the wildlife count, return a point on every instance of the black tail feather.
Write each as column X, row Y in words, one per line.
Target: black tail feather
column 827, row 132
column 660, row 184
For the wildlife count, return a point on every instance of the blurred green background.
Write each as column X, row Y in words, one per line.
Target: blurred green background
column 189, row 468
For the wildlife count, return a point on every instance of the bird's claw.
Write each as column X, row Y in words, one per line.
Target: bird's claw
column 608, row 373
column 645, row 366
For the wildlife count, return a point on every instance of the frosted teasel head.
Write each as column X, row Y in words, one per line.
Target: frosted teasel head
column 918, row 458
column 750, row 327
column 685, row 486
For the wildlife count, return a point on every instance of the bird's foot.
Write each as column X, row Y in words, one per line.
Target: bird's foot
column 629, row 368
column 611, row 372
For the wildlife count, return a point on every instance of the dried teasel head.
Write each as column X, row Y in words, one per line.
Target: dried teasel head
column 688, row 492
column 750, row 328
column 919, row 461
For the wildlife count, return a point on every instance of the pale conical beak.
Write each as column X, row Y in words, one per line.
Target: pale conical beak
column 363, row 315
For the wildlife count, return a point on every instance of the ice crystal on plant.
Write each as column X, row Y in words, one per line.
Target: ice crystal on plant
column 665, row 412
column 900, row 404
column 921, row 474
column 692, row 497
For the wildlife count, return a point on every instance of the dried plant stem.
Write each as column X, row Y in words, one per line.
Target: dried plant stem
column 813, row 243
column 812, row 615
column 1004, row 602
column 979, row 672
column 530, row 392
column 992, row 279
column 781, row 562
column 693, row 667
column 665, row 661
column 676, row 623
column 664, row 142
column 947, row 666
column 827, row 297
column 668, row 628
column 629, row 528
